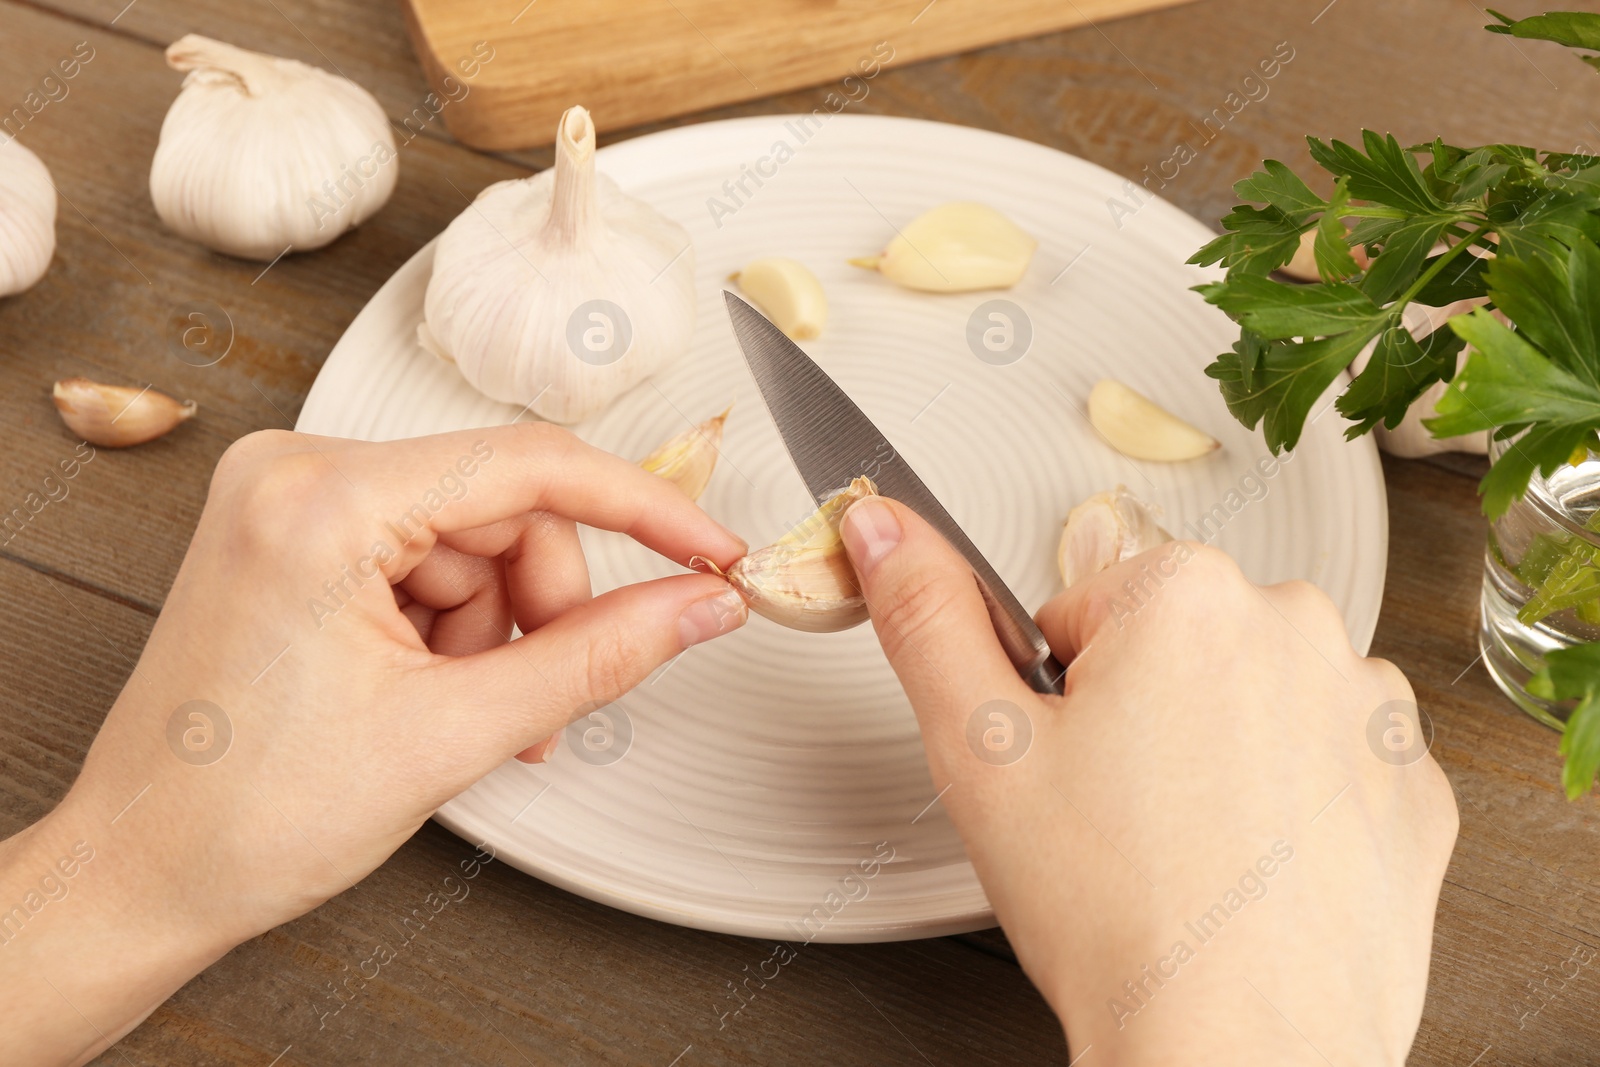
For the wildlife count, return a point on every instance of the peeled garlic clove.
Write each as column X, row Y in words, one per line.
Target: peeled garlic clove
column 804, row 580
column 787, row 293
column 688, row 459
column 558, row 293
column 259, row 155
column 1140, row 429
column 1104, row 530
column 114, row 416
column 27, row 218
column 955, row 248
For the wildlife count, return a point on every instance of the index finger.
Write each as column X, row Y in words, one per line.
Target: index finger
column 471, row 478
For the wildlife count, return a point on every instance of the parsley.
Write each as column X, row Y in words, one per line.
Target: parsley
column 1514, row 228
column 1574, row 674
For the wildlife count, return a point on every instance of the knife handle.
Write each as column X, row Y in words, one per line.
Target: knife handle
column 1030, row 655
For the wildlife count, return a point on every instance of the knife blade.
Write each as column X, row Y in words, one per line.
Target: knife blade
column 831, row 442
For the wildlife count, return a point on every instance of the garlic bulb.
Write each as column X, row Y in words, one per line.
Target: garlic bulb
column 804, row 580
column 115, row 416
column 1104, row 530
column 688, row 459
column 955, row 248
column 558, row 292
column 261, row 155
column 787, row 293
column 1140, row 429
column 27, row 218
column 1411, row 439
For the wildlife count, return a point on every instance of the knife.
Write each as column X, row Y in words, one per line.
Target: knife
column 832, row 442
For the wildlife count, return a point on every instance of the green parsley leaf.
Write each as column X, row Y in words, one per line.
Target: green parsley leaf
column 1334, row 261
column 1288, row 379
column 1575, row 29
column 1276, row 311
column 1574, row 674
column 1387, row 173
column 1281, row 187
column 1508, row 382
column 1400, row 368
column 1462, row 280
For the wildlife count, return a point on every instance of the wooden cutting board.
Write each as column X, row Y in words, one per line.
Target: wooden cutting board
column 504, row 70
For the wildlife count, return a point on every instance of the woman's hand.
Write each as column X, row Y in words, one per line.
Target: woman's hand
column 332, row 664
column 1224, row 844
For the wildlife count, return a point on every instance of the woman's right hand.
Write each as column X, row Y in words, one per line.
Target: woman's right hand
column 1223, row 844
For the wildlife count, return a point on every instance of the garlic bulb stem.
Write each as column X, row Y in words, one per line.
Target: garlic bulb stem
column 573, row 203
column 252, row 72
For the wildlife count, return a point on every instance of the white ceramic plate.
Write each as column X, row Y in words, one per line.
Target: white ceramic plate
column 765, row 768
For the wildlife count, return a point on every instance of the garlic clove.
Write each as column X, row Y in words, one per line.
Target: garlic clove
column 115, row 416
column 804, row 580
column 261, row 155
column 1104, row 530
column 787, row 293
column 27, row 218
column 955, row 248
column 1140, row 429
column 688, row 459
column 558, row 292
column 1303, row 267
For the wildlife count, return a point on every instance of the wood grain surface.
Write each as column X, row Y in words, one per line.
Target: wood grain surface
column 633, row 63
column 523, row 973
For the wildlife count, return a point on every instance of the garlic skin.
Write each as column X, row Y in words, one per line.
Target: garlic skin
column 1141, row 429
column 688, row 459
column 259, row 154
column 787, row 293
column 114, row 416
column 558, row 292
column 27, row 218
column 804, row 580
column 1411, row 439
column 955, row 248
column 1104, row 530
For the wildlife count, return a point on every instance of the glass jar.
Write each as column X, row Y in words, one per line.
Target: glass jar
column 1541, row 580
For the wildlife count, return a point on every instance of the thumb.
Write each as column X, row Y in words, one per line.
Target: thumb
column 929, row 616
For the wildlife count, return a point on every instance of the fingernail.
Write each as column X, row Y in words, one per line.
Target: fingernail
column 870, row 532
column 540, row 752
column 705, row 619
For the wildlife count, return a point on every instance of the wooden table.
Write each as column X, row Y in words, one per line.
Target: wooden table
column 522, row 972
